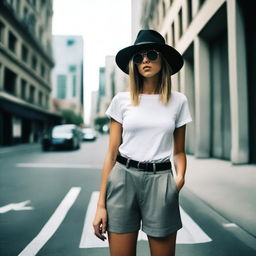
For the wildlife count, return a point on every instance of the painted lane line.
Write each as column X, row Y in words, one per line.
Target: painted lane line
column 230, row 225
column 16, row 207
column 52, row 224
column 88, row 239
column 56, row 165
column 190, row 233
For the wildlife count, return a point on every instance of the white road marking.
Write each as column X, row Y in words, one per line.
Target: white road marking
column 53, row 223
column 190, row 233
column 88, row 239
column 57, row 165
column 230, row 225
column 16, row 207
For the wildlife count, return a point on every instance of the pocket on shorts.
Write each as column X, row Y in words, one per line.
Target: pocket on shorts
column 173, row 183
column 111, row 174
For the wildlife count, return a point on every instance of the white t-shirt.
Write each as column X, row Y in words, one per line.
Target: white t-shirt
column 148, row 128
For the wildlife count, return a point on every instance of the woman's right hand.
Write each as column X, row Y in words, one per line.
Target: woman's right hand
column 100, row 223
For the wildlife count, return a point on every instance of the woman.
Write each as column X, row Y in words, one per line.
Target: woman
column 137, row 181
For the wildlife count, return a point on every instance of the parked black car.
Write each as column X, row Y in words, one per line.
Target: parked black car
column 66, row 135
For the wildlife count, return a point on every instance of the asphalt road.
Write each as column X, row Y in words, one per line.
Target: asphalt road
column 47, row 200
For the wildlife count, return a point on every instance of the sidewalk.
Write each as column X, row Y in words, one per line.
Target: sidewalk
column 229, row 189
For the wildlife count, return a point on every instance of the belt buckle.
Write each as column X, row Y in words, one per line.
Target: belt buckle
column 147, row 166
column 138, row 166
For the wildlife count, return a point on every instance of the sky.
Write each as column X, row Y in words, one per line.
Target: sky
column 105, row 26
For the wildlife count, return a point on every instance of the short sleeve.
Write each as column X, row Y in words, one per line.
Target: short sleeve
column 114, row 110
column 183, row 116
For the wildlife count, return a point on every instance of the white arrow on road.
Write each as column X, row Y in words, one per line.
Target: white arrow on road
column 52, row 224
column 22, row 206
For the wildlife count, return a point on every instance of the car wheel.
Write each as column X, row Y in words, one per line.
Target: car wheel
column 72, row 145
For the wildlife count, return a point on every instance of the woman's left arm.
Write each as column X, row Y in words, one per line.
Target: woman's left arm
column 179, row 156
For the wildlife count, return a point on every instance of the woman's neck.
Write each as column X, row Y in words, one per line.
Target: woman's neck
column 150, row 85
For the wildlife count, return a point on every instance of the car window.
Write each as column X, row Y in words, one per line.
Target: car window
column 62, row 129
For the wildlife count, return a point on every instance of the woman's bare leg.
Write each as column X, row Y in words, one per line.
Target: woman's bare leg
column 164, row 246
column 122, row 244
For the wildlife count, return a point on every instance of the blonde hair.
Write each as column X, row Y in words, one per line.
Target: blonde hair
column 163, row 88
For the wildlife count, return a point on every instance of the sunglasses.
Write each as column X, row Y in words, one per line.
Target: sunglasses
column 151, row 55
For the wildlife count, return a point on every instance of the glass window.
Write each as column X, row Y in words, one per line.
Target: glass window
column 173, row 34
column 180, row 23
column 189, row 4
column 61, row 86
column 42, row 70
column 74, row 85
column 201, row 2
column 72, row 68
column 46, row 101
column 70, row 42
column 163, row 6
column 31, row 23
column 31, row 94
column 34, row 62
column 12, row 42
column 10, row 81
column 41, row 31
column 23, row 89
column 47, row 74
column 1, row 32
column 24, row 53
column 25, row 14
column 40, row 98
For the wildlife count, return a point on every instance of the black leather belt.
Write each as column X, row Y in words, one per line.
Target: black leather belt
column 145, row 166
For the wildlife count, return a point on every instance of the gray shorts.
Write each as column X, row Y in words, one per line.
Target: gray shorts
column 134, row 196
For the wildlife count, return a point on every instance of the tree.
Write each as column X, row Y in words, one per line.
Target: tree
column 70, row 117
column 100, row 122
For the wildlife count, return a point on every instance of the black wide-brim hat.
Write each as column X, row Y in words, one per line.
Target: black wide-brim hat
column 150, row 39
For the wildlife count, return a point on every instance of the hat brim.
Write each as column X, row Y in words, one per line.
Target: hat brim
column 172, row 56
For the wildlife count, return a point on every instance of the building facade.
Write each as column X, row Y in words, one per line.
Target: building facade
column 67, row 75
column 113, row 80
column 94, row 106
column 136, row 6
column 25, row 66
column 216, row 39
column 101, row 90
